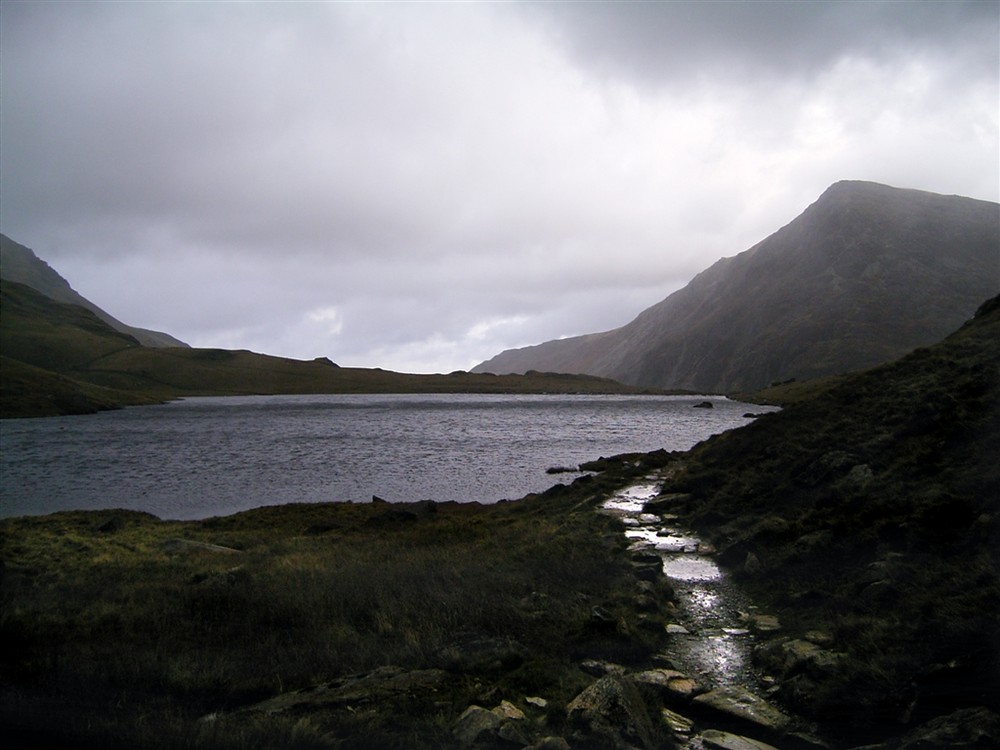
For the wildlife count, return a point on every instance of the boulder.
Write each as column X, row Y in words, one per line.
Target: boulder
column 612, row 712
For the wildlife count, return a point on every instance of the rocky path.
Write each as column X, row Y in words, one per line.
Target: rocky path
column 718, row 700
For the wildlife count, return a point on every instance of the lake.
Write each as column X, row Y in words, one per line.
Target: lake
column 202, row 457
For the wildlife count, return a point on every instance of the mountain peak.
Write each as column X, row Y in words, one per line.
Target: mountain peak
column 864, row 275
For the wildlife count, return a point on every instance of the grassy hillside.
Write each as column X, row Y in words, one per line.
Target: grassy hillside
column 62, row 359
column 871, row 512
column 20, row 264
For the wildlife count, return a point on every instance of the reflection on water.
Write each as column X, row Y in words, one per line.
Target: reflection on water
column 722, row 658
column 691, row 568
column 709, row 641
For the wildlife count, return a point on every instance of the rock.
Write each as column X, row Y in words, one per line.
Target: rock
column 675, row 629
column 860, row 476
column 713, row 738
column 819, row 637
column 784, row 657
column 740, row 705
column 791, row 657
column 665, row 503
column 646, row 557
column 648, row 571
column 514, row 732
column 534, row 700
column 675, row 722
column 612, row 711
column 561, row 470
column 704, row 405
column 596, row 668
column 474, row 722
column 763, row 623
column 604, row 622
column 672, row 686
column 507, row 710
column 967, row 729
column 751, row 565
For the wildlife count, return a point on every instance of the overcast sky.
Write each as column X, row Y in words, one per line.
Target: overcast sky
column 419, row 186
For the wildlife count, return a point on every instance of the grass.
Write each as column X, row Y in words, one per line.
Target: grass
column 114, row 634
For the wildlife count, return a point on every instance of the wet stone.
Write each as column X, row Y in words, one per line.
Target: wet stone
column 740, row 704
column 713, row 738
column 675, row 722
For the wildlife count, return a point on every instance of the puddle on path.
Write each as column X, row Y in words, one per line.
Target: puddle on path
column 716, row 645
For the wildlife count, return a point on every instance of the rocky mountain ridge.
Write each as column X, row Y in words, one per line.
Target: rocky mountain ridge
column 20, row 264
column 865, row 274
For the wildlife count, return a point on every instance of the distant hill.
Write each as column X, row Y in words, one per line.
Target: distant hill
column 864, row 275
column 61, row 358
column 19, row 263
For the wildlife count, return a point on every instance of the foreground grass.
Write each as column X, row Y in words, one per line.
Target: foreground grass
column 116, row 634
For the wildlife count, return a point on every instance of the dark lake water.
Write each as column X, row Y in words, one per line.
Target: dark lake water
column 204, row 457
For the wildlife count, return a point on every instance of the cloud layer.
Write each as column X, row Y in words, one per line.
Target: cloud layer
column 418, row 186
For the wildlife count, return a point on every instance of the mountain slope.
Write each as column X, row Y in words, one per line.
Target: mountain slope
column 872, row 513
column 19, row 263
column 864, row 275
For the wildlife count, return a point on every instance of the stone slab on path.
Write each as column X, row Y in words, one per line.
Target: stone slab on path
column 716, row 740
column 742, row 706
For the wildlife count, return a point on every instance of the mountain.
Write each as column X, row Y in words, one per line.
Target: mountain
column 862, row 276
column 19, row 263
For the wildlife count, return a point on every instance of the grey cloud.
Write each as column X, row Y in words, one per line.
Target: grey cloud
column 661, row 42
column 422, row 185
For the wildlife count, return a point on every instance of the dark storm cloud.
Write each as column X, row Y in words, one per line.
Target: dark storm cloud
column 660, row 42
column 417, row 186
